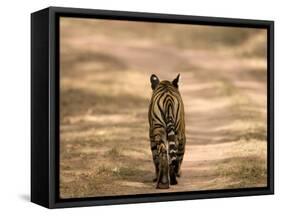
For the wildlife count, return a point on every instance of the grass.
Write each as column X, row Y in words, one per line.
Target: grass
column 225, row 88
column 181, row 36
column 126, row 171
column 103, row 170
column 246, row 163
column 114, row 152
column 243, row 172
column 242, row 106
column 254, row 47
column 79, row 101
column 256, row 133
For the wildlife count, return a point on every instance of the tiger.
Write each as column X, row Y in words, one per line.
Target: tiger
column 166, row 131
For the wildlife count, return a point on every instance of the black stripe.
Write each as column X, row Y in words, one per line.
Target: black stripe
column 171, row 138
column 161, row 111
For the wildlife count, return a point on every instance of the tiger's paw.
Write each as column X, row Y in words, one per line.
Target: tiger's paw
column 162, row 185
column 173, row 181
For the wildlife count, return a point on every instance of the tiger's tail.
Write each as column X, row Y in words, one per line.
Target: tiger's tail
column 172, row 150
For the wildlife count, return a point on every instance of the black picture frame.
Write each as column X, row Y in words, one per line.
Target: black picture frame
column 45, row 106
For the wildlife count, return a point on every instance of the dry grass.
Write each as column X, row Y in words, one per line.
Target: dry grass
column 242, row 173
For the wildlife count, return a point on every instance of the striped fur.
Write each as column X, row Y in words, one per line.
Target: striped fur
column 167, row 130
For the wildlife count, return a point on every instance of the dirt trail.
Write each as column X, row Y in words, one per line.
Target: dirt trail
column 206, row 113
column 224, row 105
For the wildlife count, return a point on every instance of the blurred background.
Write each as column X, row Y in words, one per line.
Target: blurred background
column 105, row 91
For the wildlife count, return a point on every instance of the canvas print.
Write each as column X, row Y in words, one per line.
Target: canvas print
column 150, row 107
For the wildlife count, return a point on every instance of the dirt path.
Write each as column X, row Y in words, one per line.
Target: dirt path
column 208, row 111
column 225, row 117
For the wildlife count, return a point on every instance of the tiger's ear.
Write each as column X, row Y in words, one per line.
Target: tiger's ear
column 154, row 81
column 176, row 81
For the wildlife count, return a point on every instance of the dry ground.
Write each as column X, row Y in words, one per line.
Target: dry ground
column 105, row 93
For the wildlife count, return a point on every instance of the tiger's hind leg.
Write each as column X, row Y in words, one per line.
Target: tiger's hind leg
column 163, row 174
column 155, row 157
column 160, row 158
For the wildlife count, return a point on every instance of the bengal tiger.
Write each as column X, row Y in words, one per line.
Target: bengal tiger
column 166, row 130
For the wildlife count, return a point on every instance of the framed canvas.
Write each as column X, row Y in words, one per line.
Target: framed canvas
column 133, row 107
